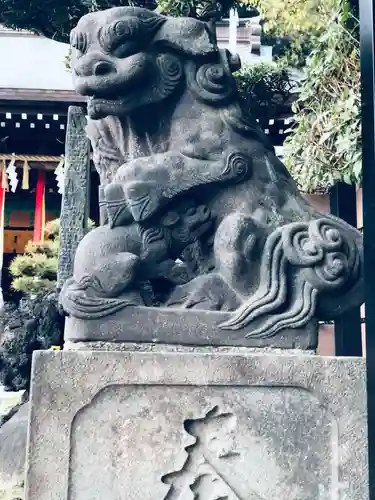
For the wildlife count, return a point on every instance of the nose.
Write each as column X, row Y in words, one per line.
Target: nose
column 102, row 68
column 93, row 65
column 93, row 73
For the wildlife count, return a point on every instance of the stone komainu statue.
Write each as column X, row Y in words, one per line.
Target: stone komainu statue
column 198, row 215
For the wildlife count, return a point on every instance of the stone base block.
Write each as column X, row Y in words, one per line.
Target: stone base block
column 185, row 426
column 191, row 327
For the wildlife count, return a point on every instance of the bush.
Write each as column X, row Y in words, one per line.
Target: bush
column 36, row 270
column 325, row 146
column 265, row 89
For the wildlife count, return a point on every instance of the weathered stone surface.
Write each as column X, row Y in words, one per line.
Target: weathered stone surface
column 182, row 426
column 13, row 437
column 197, row 211
column 74, row 208
column 199, row 349
column 185, row 327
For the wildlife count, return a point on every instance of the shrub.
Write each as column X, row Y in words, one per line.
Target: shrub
column 325, row 146
column 36, row 270
column 265, row 89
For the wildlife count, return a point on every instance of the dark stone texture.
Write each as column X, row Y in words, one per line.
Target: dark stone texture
column 75, row 202
column 198, row 213
column 40, row 327
column 15, row 324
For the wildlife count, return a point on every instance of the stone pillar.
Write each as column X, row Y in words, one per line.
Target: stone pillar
column 75, row 201
column 178, row 426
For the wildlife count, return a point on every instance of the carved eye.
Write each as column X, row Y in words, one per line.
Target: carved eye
column 123, row 29
column 118, row 33
column 78, row 41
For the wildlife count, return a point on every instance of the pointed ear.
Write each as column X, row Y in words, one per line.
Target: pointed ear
column 186, row 35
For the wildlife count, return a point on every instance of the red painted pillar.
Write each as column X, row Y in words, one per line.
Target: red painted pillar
column 39, row 218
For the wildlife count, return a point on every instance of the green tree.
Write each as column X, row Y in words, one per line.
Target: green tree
column 51, row 18
column 325, row 146
column 56, row 18
column 293, row 18
column 292, row 26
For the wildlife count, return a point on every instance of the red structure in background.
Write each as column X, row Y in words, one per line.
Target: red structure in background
column 40, row 207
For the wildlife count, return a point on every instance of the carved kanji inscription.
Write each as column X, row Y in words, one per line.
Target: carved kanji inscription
column 204, row 471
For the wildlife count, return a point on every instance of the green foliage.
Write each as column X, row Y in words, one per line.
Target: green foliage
column 51, row 18
column 264, row 89
column 38, row 264
column 36, row 270
column 56, row 18
column 178, row 7
column 68, row 60
column 325, row 146
column 198, row 8
column 52, row 229
column 32, row 285
column 292, row 26
column 293, row 18
column 47, row 248
column 291, row 52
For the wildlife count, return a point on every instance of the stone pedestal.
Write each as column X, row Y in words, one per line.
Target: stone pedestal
column 184, row 426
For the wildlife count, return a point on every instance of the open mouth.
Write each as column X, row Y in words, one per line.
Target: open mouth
column 98, row 107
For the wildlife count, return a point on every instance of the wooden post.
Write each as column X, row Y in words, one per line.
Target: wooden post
column 75, row 200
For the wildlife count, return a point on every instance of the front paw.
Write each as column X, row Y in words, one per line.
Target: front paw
column 116, row 205
column 144, row 199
